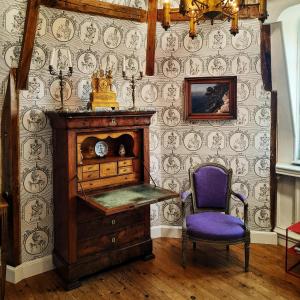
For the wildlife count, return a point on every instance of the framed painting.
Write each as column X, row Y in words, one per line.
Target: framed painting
column 210, row 98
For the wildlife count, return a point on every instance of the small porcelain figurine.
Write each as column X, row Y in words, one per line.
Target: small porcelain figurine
column 122, row 151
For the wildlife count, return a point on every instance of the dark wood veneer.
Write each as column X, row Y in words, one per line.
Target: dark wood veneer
column 85, row 240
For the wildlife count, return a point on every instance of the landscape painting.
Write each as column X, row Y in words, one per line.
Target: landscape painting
column 210, row 97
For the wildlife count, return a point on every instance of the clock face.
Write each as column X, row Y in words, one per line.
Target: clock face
column 101, row 148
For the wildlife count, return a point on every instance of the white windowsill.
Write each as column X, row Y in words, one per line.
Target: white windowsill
column 292, row 170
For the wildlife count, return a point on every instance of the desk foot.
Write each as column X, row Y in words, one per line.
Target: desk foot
column 148, row 257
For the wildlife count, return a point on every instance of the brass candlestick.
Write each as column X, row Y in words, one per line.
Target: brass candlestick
column 59, row 75
column 132, row 80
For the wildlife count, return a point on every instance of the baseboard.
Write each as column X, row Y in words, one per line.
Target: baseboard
column 44, row 264
column 28, row 269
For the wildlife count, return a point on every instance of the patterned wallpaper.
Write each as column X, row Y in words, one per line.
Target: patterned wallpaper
column 94, row 41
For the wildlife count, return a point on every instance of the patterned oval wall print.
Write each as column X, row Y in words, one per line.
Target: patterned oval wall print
column 243, row 116
column 217, row 39
column 191, row 161
column 41, row 27
column 89, row 32
column 154, row 140
column 217, row 66
column 262, row 191
column 36, row 89
column 243, row 90
column 242, row 40
column 35, row 181
column 241, row 65
column 171, row 140
column 240, row 166
column 109, row 61
column 36, row 241
column 239, row 141
column 263, row 116
column 112, row 36
column 171, row 91
column 38, row 58
column 262, row 217
column 262, row 141
column 63, row 29
column 193, row 45
column 216, row 140
column 34, row 120
column 192, row 141
column 12, row 54
column 35, row 210
column 87, row 62
column 149, row 92
column 34, row 148
column 262, row 167
column 171, row 212
column 84, row 89
column 171, row 67
column 169, row 41
column 172, row 184
column 193, row 66
column 171, row 116
column 241, row 187
column 134, row 39
column 55, row 90
column 171, row 164
column 14, row 19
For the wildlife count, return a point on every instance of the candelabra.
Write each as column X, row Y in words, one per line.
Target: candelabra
column 60, row 76
column 132, row 80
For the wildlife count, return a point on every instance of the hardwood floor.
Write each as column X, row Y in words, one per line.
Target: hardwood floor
column 211, row 273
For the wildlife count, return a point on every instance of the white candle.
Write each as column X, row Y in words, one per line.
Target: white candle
column 52, row 57
column 124, row 68
column 69, row 59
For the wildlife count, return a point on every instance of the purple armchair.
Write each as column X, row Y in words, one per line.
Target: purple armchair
column 206, row 210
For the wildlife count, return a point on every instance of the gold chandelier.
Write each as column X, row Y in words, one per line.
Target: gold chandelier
column 202, row 10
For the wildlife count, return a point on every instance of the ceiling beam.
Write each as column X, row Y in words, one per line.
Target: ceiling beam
column 95, row 7
column 151, row 34
column 32, row 14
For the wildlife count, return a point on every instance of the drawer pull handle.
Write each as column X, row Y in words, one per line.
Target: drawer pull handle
column 113, row 221
column 113, row 240
column 107, row 169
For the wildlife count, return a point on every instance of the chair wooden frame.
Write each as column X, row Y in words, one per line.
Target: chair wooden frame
column 189, row 206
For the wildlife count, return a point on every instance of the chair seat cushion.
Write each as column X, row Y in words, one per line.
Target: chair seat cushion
column 215, row 226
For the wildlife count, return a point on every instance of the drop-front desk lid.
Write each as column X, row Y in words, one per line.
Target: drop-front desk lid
column 125, row 198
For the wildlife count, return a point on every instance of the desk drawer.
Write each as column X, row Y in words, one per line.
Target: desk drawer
column 108, row 169
column 90, row 168
column 111, row 241
column 125, row 163
column 90, row 175
column 109, row 181
column 106, row 225
column 125, row 170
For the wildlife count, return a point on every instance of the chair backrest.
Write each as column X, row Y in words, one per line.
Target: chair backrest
column 210, row 184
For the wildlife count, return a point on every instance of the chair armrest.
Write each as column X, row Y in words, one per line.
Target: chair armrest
column 242, row 198
column 186, row 203
column 185, row 196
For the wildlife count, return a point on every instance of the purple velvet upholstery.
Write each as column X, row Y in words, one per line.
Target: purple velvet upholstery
column 215, row 226
column 210, row 184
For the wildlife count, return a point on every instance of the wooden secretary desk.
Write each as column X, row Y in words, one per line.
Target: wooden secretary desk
column 102, row 194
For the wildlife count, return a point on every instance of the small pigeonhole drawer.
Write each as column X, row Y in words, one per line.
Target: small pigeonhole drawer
column 90, row 168
column 108, row 169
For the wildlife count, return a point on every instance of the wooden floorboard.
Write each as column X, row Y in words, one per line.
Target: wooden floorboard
column 211, row 273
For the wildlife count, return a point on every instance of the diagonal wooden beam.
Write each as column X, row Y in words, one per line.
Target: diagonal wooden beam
column 151, row 33
column 32, row 14
column 95, row 7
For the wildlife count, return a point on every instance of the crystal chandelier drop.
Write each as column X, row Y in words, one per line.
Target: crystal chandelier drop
column 202, row 10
